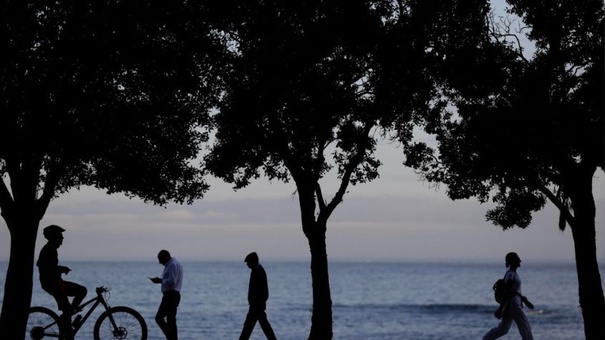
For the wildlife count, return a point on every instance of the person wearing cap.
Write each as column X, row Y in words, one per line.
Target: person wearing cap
column 172, row 281
column 50, row 274
column 258, row 294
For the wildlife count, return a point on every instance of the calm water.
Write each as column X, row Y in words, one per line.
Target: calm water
column 370, row 300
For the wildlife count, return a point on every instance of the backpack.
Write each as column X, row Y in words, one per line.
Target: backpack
column 498, row 288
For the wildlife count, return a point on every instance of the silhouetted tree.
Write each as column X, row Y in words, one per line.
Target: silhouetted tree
column 309, row 88
column 94, row 93
column 526, row 124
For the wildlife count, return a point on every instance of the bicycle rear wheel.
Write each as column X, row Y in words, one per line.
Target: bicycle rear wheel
column 42, row 323
column 120, row 323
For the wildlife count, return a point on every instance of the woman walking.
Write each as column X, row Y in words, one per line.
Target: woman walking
column 511, row 308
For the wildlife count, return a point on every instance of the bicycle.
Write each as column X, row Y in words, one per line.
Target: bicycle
column 118, row 322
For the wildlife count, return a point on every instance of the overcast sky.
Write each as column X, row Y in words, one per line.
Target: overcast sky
column 396, row 217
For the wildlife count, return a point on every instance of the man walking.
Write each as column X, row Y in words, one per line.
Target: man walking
column 258, row 293
column 171, row 280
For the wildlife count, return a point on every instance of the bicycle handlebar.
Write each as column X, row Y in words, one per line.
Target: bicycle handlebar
column 102, row 289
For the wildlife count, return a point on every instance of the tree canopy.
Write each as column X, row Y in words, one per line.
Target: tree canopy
column 107, row 94
column 310, row 88
column 529, row 127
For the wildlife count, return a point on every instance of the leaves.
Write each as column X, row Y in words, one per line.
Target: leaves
column 521, row 124
column 114, row 95
column 299, row 85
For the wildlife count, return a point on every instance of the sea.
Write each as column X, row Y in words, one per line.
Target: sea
column 371, row 300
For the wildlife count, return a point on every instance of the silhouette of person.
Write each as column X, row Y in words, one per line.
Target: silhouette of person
column 171, row 280
column 50, row 275
column 511, row 309
column 258, row 293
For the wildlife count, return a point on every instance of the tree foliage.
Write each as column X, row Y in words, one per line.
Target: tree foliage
column 528, row 128
column 102, row 91
column 106, row 94
column 522, row 121
column 298, row 89
column 311, row 87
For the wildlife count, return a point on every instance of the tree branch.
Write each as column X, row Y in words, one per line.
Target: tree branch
column 559, row 204
column 357, row 158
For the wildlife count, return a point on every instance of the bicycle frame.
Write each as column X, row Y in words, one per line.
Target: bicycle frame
column 96, row 301
column 113, row 322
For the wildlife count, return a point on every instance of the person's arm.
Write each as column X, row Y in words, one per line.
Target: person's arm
column 48, row 262
column 63, row 269
column 527, row 302
column 258, row 287
column 156, row 279
column 265, row 286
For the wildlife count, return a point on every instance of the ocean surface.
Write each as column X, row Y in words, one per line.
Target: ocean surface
column 371, row 301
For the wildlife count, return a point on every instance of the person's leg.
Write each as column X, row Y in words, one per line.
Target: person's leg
column 63, row 303
column 65, row 317
column 266, row 326
column 502, row 327
column 175, row 299
column 162, row 313
column 78, row 292
column 248, row 324
column 58, row 291
column 522, row 324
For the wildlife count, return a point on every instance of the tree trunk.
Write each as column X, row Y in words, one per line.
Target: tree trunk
column 583, row 230
column 19, row 278
column 592, row 301
column 321, row 319
column 315, row 231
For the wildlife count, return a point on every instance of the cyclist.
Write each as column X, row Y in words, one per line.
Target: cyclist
column 50, row 275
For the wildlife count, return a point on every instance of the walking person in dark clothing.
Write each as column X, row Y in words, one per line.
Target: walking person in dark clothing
column 258, row 293
column 172, row 281
column 50, row 275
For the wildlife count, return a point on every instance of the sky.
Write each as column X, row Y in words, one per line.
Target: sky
column 397, row 217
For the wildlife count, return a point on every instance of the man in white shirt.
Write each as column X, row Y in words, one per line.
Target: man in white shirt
column 171, row 280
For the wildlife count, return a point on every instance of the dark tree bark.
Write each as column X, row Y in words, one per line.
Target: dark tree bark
column 590, row 287
column 23, row 228
column 321, row 322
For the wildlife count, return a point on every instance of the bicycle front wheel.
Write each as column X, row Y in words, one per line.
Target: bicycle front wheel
column 42, row 323
column 120, row 323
